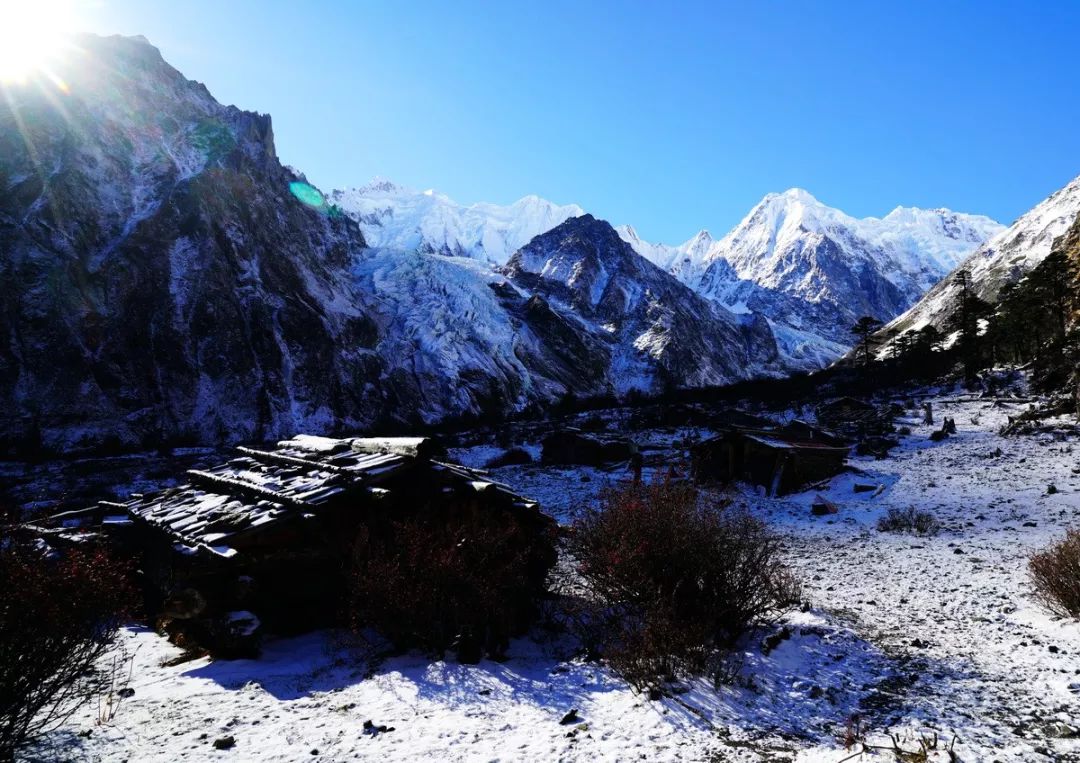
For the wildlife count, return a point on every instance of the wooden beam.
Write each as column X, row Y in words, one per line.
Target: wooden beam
column 282, row 458
column 230, row 485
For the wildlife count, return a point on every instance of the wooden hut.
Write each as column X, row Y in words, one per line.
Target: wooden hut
column 268, row 536
column 852, row 417
column 572, row 446
column 782, row 459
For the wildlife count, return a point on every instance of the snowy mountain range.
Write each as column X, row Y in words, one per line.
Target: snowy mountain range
column 1002, row 259
column 171, row 282
column 168, row 281
column 395, row 217
column 813, row 270
column 809, row 269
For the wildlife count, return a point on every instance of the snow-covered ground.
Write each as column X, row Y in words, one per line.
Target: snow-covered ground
column 918, row 635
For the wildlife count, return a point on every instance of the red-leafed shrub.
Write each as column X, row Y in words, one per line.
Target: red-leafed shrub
column 58, row 615
column 676, row 579
column 1055, row 573
column 467, row 583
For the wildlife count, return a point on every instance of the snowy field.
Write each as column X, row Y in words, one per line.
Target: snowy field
column 919, row 636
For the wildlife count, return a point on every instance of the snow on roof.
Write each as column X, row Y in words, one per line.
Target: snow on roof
column 260, row 489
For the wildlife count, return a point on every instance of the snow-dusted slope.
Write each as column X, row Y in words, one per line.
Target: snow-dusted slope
column 813, row 270
column 395, row 217
column 1003, row 259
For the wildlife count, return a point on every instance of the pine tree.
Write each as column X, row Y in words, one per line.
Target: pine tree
column 967, row 320
column 864, row 329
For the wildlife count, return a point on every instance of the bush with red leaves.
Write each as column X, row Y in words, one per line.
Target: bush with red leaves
column 1055, row 573
column 59, row 614
column 675, row 579
column 467, row 583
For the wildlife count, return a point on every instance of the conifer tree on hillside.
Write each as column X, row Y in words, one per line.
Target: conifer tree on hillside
column 970, row 311
column 864, row 329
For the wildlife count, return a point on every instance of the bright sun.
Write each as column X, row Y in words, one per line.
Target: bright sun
column 33, row 33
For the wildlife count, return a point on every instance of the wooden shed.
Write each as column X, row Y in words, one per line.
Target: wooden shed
column 852, row 417
column 782, row 460
column 267, row 537
column 572, row 446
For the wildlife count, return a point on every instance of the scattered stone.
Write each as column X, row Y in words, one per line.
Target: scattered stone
column 860, row 487
column 571, row 717
column 224, row 743
column 958, row 550
column 822, row 506
column 774, row 640
column 1060, row 731
column 1051, row 489
column 371, row 729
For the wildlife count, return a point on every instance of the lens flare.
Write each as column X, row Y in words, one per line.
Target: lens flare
column 33, row 33
column 308, row 194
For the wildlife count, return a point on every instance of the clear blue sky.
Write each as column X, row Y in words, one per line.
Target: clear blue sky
column 669, row 116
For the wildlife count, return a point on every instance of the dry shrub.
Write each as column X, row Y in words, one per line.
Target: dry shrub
column 59, row 615
column 910, row 520
column 468, row 584
column 1055, row 573
column 677, row 579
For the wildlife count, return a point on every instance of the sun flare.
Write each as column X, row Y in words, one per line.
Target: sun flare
column 33, row 34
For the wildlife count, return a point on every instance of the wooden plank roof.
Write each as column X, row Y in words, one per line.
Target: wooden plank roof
column 223, row 505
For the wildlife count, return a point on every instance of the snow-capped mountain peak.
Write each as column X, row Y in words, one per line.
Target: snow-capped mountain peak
column 811, row 268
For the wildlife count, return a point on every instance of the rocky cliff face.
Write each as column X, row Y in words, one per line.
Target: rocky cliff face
column 161, row 283
column 658, row 331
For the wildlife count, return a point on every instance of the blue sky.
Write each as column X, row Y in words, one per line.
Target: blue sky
column 669, row 116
